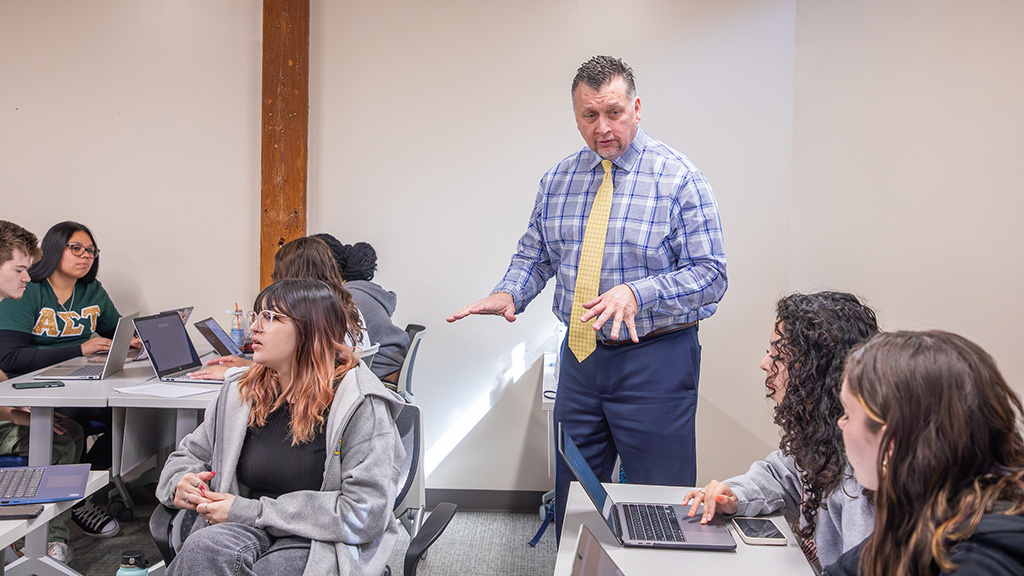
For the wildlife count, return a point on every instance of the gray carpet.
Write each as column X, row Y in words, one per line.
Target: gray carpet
column 475, row 544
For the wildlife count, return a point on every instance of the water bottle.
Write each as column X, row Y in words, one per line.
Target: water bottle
column 133, row 563
column 237, row 327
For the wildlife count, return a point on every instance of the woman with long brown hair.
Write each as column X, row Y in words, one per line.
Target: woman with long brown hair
column 930, row 424
column 295, row 468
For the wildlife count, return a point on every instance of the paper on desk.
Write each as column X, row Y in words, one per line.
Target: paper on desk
column 162, row 390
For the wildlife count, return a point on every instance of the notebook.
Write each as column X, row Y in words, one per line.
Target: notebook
column 114, row 363
column 39, row 484
column 169, row 348
column 645, row 524
column 590, row 558
column 218, row 338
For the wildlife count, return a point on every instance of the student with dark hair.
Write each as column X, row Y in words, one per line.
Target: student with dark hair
column 64, row 313
column 357, row 263
column 62, row 308
column 808, row 477
column 295, row 468
column 932, row 427
column 18, row 249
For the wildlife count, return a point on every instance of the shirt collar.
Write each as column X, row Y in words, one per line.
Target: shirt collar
column 627, row 160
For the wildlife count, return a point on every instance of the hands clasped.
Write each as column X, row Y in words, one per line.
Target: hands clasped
column 192, row 493
column 716, row 497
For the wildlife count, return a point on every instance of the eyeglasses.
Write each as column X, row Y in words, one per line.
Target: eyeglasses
column 262, row 320
column 80, row 250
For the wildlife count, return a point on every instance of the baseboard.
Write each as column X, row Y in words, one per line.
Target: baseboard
column 528, row 501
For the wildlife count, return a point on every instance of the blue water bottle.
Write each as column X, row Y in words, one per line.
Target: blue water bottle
column 133, row 563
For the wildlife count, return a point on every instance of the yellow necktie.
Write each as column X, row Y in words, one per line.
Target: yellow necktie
column 582, row 338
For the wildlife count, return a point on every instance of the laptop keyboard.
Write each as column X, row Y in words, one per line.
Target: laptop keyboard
column 652, row 522
column 19, row 482
column 88, row 370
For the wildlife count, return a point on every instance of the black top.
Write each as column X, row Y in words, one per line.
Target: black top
column 995, row 549
column 270, row 466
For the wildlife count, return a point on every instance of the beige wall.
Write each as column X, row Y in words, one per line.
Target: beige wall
column 843, row 143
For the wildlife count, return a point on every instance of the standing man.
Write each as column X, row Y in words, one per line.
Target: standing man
column 629, row 228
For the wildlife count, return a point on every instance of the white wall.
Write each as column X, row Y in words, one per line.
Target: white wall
column 843, row 143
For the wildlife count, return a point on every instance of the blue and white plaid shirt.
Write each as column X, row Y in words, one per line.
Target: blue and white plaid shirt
column 664, row 236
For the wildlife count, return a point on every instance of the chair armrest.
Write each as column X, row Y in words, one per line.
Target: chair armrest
column 428, row 534
column 160, row 529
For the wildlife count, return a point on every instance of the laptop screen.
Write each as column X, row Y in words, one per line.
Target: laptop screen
column 167, row 342
column 591, row 559
column 217, row 337
column 591, row 485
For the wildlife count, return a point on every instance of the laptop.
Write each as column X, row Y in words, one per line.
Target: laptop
column 169, row 348
column 218, row 338
column 114, row 362
column 645, row 524
column 590, row 558
column 41, row 484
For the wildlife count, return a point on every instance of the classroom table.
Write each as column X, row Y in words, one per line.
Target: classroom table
column 98, row 394
column 11, row 530
column 767, row 560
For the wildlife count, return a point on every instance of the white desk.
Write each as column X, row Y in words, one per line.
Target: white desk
column 770, row 560
column 151, row 434
column 11, row 530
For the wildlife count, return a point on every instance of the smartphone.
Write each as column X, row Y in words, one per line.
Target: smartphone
column 20, row 512
column 38, row 384
column 759, row 531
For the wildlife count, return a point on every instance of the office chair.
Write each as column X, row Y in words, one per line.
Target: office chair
column 170, row 526
column 415, row 332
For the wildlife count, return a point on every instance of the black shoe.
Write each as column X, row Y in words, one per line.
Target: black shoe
column 94, row 521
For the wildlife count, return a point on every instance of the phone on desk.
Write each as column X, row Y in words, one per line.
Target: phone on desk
column 759, row 531
column 37, row 384
column 20, row 512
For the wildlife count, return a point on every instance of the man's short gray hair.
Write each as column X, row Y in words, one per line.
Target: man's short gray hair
column 600, row 70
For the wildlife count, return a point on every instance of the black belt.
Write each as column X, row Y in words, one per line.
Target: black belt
column 650, row 335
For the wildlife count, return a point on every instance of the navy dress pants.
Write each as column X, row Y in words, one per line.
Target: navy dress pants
column 635, row 401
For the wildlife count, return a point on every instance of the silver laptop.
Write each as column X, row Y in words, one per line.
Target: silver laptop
column 590, row 558
column 169, row 348
column 645, row 524
column 39, row 484
column 218, row 338
column 114, row 363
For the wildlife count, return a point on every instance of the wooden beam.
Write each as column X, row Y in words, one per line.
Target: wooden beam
column 285, row 127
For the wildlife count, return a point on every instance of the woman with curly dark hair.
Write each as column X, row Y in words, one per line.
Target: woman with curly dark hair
column 932, row 427
column 808, row 477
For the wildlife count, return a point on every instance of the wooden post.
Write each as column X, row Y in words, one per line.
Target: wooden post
column 285, row 127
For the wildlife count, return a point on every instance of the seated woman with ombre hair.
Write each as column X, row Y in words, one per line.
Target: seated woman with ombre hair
column 295, row 468
column 930, row 424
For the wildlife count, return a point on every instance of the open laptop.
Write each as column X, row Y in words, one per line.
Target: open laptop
column 590, row 558
column 218, row 338
column 169, row 348
column 645, row 524
column 114, row 362
column 40, row 484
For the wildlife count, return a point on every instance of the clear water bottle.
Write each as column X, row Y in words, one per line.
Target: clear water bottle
column 237, row 327
column 133, row 563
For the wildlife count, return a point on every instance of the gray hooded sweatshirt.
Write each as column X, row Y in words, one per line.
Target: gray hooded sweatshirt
column 846, row 518
column 377, row 306
column 350, row 521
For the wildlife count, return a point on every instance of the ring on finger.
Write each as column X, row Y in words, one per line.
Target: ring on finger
column 702, row 491
column 187, row 501
column 197, row 483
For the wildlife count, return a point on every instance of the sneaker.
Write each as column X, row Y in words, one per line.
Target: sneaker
column 59, row 551
column 94, row 521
